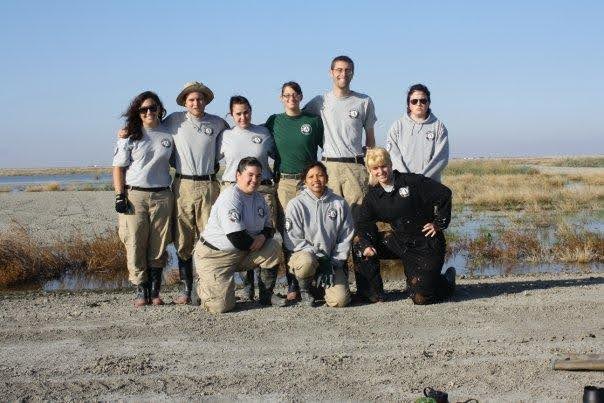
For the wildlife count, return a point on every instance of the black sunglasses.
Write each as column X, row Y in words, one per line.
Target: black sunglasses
column 144, row 109
column 423, row 101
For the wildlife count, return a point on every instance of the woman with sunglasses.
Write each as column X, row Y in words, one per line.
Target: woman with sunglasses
column 298, row 136
column 418, row 141
column 248, row 140
column 141, row 179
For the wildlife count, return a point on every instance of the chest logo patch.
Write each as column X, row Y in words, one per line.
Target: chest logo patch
column 256, row 140
column 288, row 224
column 166, row 143
column 430, row 135
column 388, row 146
column 234, row 215
column 332, row 214
column 353, row 113
column 261, row 212
column 306, row 129
column 404, row 191
column 208, row 130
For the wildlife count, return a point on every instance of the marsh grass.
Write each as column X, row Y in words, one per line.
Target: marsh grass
column 48, row 187
column 54, row 171
column 6, row 189
column 25, row 260
column 499, row 185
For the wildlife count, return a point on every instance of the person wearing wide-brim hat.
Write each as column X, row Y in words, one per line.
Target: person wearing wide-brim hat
column 197, row 136
column 194, row 86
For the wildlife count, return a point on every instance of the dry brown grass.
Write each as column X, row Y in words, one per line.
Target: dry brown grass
column 23, row 259
column 5, row 189
column 54, row 171
column 576, row 245
column 48, row 187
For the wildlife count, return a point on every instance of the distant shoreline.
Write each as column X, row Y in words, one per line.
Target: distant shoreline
column 559, row 160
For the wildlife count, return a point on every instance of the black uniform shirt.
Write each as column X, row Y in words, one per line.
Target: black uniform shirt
column 415, row 201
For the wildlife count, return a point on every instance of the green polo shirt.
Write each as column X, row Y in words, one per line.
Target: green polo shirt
column 297, row 139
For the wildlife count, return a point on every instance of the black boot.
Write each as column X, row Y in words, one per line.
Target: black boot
column 185, row 270
column 156, row 285
column 306, row 298
column 141, row 294
column 266, row 285
column 248, row 284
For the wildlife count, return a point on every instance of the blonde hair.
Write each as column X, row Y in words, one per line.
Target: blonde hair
column 375, row 157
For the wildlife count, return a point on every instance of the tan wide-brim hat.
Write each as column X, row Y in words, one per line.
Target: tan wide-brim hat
column 194, row 86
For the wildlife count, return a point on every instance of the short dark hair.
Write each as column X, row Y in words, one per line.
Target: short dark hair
column 312, row 165
column 293, row 85
column 420, row 88
column 248, row 162
column 134, row 124
column 239, row 99
column 342, row 58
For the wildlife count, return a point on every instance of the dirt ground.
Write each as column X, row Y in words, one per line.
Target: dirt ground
column 494, row 341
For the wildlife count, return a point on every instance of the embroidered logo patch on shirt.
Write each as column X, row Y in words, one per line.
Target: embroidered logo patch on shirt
column 166, row 143
column 430, row 135
column 288, row 224
column 256, row 140
column 208, row 130
column 234, row 215
column 353, row 113
column 404, row 191
column 305, row 129
column 332, row 213
column 261, row 212
column 388, row 146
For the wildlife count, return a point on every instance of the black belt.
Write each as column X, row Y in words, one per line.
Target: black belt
column 147, row 189
column 357, row 160
column 209, row 245
column 290, row 176
column 266, row 182
column 211, row 177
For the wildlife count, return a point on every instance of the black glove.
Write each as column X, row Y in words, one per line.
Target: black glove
column 121, row 203
column 325, row 276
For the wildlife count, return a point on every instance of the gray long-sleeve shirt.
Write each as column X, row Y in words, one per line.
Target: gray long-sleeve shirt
column 419, row 147
column 319, row 224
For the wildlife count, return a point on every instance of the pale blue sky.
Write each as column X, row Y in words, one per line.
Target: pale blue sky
column 507, row 78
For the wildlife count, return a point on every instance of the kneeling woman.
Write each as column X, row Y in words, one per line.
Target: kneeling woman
column 141, row 178
column 418, row 209
column 318, row 232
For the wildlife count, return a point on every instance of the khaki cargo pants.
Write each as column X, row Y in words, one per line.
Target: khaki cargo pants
column 304, row 265
column 215, row 269
column 349, row 180
column 287, row 189
column 146, row 232
column 193, row 203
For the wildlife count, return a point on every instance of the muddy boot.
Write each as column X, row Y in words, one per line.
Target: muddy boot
column 141, row 294
column 156, row 285
column 450, row 278
column 266, row 285
column 248, row 285
column 185, row 270
column 306, row 298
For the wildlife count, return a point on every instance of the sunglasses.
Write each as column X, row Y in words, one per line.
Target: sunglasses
column 143, row 110
column 423, row 101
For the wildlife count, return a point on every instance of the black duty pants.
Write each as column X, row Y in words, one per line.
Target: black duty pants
column 422, row 258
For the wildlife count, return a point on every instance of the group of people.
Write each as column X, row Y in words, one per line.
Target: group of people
column 323, row 210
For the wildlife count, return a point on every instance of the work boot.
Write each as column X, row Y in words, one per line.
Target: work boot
column 185, row 271
column 156, row 285
column 450, row 277
column 306, row 298
column 293, row 288
column 248, row 285
column 141, row 294
column 266, row 285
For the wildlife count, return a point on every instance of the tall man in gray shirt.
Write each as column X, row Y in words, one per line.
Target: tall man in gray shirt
column 345, row 114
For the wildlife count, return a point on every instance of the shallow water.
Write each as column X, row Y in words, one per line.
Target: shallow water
column 17, row 182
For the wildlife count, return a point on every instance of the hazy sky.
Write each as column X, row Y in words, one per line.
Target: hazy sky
column 507, row 78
